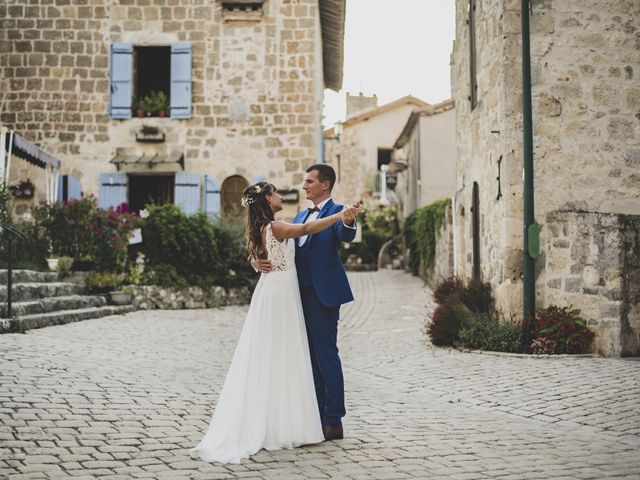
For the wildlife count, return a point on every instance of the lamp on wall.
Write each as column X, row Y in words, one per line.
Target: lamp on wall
column 398, row 161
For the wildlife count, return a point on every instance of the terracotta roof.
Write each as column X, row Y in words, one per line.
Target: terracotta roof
column 367, row 114
column 422, row 112
column 332, row 13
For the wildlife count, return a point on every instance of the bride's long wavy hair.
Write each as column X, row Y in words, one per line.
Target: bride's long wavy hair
column 259, row 213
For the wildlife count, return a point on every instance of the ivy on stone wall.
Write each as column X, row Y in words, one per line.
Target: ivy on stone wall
column 421, row 230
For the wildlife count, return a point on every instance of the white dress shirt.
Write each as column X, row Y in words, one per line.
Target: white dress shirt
column 314, row 216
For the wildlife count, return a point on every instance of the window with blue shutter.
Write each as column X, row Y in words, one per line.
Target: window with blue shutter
column 187, row 192
column 181, row 80
column 211, row 197
column 120, row 79
column 113, row 189
column 69, row 188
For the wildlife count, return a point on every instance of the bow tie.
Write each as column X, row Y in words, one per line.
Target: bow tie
column 314, row 209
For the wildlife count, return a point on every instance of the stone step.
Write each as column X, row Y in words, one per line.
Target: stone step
column 39, row 320
column 28, row 276
column 34, row 291
column 51, row 304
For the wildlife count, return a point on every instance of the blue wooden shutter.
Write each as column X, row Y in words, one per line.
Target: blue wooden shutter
column 113, row 189
column 180, row 80
column 74, row 188
column 187, row 193
column 211, row 197
column 121, row 80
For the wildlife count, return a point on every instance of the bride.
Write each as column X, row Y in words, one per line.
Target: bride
column 268, row 399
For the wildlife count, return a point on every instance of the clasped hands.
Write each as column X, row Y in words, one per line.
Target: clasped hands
column 349, row 214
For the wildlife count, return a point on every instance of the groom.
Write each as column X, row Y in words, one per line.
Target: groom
column 323, row 288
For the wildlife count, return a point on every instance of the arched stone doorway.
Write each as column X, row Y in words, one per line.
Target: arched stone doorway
column 231, row 192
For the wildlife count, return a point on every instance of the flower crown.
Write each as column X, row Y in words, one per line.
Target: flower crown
column 247, row 200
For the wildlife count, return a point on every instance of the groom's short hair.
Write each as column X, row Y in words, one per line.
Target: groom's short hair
column 326, row 173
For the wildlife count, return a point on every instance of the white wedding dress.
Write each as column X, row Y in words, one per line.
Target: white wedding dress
column 268, row 399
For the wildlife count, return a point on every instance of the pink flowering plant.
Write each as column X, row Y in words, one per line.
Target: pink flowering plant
column 80, row 230
column 544, row 345
column 560, row 330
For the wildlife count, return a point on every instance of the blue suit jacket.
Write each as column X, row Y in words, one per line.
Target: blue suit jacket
column 318, row 261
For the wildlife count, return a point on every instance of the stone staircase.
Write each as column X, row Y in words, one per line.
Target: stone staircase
column 40, row 300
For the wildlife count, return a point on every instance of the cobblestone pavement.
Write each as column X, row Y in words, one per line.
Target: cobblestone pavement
column 125, row 397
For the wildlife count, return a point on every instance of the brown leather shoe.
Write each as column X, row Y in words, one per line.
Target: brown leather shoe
column 332, row 433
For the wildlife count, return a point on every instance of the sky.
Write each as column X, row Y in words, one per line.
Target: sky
column 394, row 48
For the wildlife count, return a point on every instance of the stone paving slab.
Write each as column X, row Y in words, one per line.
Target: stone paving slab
column 125, row 397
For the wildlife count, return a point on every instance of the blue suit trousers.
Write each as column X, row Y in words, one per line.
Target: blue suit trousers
column 322, row 332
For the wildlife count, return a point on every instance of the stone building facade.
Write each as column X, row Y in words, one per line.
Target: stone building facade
column 359, row 146
column 586, row 119
column 245, row 82
column 427, row 149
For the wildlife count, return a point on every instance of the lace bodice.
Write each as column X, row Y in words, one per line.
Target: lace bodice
column 282, row 254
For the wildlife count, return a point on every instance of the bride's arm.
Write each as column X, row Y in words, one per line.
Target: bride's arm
column 282, row 230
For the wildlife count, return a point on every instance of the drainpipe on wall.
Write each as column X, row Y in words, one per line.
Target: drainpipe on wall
column 531, row 242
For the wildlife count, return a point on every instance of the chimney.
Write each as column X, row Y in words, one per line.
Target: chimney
column 360, row 103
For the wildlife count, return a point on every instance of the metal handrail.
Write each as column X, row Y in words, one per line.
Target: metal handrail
column 12, row 232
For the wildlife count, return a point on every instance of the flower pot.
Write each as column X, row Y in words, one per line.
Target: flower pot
column 53, row 264
column 161, row 114
column 140, row 112
column 119, row 297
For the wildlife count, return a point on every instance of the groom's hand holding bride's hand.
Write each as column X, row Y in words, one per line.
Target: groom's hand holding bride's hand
column 350, row 213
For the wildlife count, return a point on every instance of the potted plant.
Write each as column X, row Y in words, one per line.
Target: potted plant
column 52, row 260
column 140, row 108
column 120, row 297
column 104, row 282
column 146, row 106
column 23, row 189
column 160, row 103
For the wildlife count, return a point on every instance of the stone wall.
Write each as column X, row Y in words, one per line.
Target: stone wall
column 256, row 86
column 150, row 297
column 593, row 263
column 585, row 117
column 443, row 264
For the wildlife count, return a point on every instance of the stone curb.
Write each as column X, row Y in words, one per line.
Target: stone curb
column 527, row 355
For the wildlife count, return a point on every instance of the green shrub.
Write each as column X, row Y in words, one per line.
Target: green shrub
column 487, row 332
column 421, row 235
column 232, row 248
column 186, row 243
column 560, row 330
column 191, row 250
column 164, row 275
column 5, row 203
column 64, row 266
column 383, row 221
column 448, row 318
column 411, row 243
